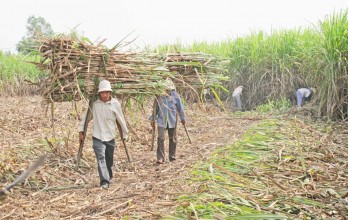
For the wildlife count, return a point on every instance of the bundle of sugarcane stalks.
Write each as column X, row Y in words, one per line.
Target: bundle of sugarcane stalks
column 197, row 70
column 76, row 67
column 206, row 68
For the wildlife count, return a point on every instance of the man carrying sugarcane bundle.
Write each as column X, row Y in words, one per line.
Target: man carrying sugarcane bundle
column 166, row 111
column 106, row 113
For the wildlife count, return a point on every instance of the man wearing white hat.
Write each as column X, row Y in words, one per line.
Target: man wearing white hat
column 106, row 112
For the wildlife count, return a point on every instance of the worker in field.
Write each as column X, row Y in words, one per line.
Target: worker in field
column 166, row 112
column 304, row 94
column 106, row 113
column 236, row 96
column 207, row 94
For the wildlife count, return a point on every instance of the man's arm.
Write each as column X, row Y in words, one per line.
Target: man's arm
column 155, row 110
column 83, row 121
column 121, row 120
column 180, row 108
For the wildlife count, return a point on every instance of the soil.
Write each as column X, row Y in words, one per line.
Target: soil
column 140, row 189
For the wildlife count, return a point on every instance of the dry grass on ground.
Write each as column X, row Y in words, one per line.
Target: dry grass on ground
column 141, row 189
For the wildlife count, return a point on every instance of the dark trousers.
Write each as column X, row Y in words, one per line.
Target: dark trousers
column 104, row 152
column 160, row 143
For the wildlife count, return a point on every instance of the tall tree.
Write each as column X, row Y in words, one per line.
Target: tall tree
column 37, row 27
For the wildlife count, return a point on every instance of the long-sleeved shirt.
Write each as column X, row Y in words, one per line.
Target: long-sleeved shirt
column 238, row 91
column 166, row 110
column 304, row 92
column 104, row 116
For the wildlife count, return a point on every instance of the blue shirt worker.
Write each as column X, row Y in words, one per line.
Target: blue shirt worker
column 167, row 109
column 303, row 94
column 106, row 112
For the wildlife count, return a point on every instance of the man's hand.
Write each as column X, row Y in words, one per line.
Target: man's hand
column 152, row 123
column 126, row 138
column 183, row 122
column 81, row 136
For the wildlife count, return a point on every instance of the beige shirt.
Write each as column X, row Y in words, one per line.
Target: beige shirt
column 104, row 117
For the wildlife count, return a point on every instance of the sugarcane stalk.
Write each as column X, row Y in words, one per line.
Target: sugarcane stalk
column 82, row 142
column 153, row 128
column 85, row 126
column 188, row 136
column 40, row 161
column 124, row 143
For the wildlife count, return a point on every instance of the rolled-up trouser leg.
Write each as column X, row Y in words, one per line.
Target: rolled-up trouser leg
column 172, row 143
column 299, row 98
column 160, row 143
column 100, row 151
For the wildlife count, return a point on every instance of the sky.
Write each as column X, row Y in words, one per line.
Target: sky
column 155, row 22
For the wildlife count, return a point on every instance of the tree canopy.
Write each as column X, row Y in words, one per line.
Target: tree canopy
column 36, row 27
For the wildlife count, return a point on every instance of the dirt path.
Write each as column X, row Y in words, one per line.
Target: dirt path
column 141, row 189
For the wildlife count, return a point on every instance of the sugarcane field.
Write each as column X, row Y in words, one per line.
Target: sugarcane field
column 254, row 128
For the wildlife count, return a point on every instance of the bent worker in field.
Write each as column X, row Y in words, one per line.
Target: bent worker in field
column 207, row 94
column 166, row 113
column 106, row 112
column 236, row 96
column 304, row 94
